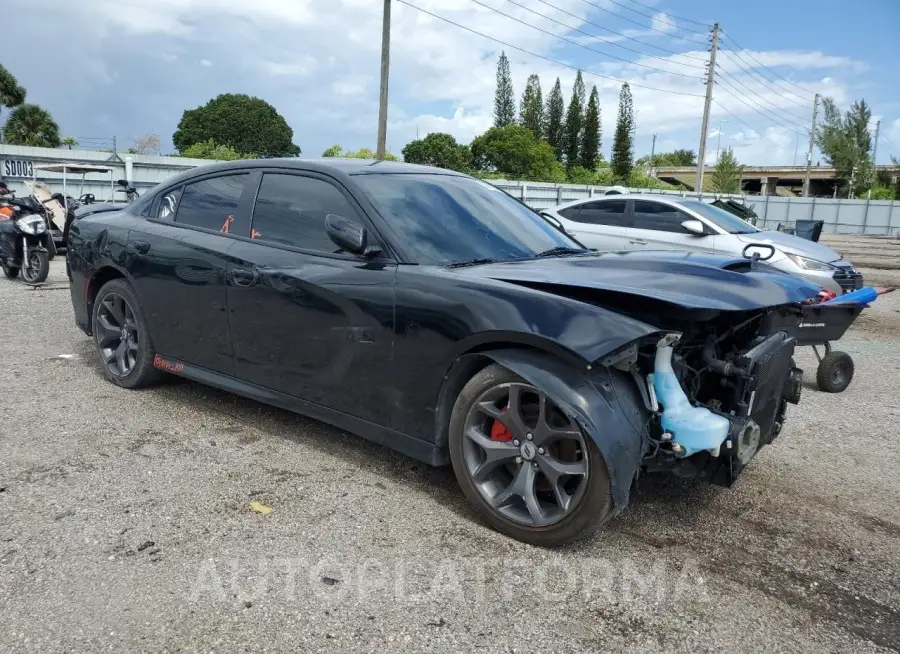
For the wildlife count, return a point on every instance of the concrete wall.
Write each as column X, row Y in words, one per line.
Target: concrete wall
column 840, row 216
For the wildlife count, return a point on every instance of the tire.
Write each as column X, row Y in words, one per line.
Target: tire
column 140, row 371
column 594, row 505
column 39, row 260
column 835, row 372
column 11, row 272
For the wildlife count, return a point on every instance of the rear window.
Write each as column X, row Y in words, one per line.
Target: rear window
column 211, row 203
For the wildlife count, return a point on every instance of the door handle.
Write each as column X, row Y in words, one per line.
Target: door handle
column 142, row 247
column 638, row 241
column 243, row 277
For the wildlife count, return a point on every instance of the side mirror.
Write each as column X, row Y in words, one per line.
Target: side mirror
column 758, row 252
column 695, row 227
column 349, row 235
column 122, row 182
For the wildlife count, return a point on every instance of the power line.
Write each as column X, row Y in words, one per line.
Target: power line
column 757, row 95
column 741, row 121
column 624, row 36
column 649, row 27
column 737, row 95
column 730, row 39
column 545, row 58
column 653, row 17
column 762, row 81
column 581, row 45
column 688, row 20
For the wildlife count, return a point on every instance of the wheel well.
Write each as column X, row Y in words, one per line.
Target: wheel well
column 457, row 376
column 96, row 282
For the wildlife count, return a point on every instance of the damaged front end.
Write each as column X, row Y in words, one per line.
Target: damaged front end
column 711, row 420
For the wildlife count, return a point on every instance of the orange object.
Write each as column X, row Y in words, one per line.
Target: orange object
column 254, row 233
column 6, row 213
column 226, row 226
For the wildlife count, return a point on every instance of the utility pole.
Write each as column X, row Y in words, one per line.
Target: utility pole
column 385, row 69
column 874, row 160
column 652, row 154
column 710, row 81
column 719, row 140
column 812, row 139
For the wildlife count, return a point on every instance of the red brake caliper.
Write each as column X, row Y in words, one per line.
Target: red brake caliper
column 499, row 432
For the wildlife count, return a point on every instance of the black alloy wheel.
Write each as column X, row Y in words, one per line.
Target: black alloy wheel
column 120, row 332
column 117, row 335
column 525, row 464
column 36, row 269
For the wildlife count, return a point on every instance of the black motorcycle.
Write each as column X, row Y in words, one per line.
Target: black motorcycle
column 25, row 242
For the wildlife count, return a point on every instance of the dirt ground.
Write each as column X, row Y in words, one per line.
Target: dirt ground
column 127, row 526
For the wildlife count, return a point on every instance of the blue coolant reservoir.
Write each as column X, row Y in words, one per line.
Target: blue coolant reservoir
column 694, row 428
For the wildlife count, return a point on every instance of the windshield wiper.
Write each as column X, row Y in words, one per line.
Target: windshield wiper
column 470, row 262
column 560, row 251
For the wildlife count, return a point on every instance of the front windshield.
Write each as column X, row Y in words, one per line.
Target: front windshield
column 444, row 219
column 727, row 221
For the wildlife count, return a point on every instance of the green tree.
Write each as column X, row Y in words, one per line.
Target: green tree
column 674, row 158
column 504, row 98
column 531, row 111
column 574, row 122
column 29, row 124
column 726, row 176
column 623, row 142
column 582, row 175
column 514, row 152
column 591, row 134
column 11, row 93
column 69, row 141
column 845, row 142
column 209, row 149
column 554, row 129
column 438, row 149
column 247, row 124
column 362, row 153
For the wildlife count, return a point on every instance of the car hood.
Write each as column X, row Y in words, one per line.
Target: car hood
column 792, row 244
column 674, row 279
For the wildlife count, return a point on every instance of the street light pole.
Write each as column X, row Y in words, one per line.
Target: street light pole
column 385, row 69
column 719, row 140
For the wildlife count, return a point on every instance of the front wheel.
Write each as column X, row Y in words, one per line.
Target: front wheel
column 524, row 464
column 36, row 269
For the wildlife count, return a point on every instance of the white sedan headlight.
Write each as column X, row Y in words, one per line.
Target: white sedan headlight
column 32, row 225
column 809, row 264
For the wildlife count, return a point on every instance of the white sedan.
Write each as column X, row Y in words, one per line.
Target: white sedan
column 617, row 223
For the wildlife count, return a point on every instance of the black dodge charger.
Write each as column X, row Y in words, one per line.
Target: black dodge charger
column 433, row 313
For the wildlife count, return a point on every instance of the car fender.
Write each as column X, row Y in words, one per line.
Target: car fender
column 605, row 403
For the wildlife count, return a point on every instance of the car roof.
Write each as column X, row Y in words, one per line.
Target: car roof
column 335, row 166
column 653, row 197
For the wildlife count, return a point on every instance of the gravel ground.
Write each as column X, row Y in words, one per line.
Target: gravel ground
column 126, row 526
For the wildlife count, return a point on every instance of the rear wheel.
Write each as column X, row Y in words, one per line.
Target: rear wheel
column 120, row 333
column 11, row 272
column 37, row 267
column 524, row 464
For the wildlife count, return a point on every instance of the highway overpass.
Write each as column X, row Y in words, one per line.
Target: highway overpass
column 767, row 180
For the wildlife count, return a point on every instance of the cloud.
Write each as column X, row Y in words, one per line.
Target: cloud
column 318, row 64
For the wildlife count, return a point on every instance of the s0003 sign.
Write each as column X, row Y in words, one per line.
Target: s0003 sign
column 18, row 168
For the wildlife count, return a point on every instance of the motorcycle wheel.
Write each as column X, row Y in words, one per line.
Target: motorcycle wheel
column 11, row 272
column 36, row 268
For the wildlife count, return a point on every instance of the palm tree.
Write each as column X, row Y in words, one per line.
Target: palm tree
column 11, row 94
column 69, row 141
column 29, row 124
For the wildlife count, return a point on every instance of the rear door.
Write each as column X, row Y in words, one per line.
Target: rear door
column 601, row 224
column 177, row 261
column 307, row 318
column 657, row 226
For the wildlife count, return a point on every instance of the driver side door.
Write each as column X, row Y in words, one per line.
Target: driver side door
column 657, row 226
column 308, row 319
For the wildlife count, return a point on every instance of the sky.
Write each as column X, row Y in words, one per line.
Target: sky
column 126, row 68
